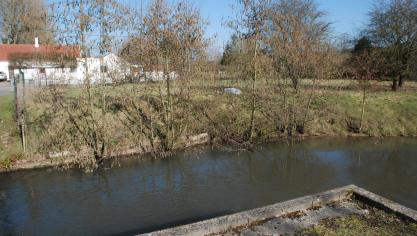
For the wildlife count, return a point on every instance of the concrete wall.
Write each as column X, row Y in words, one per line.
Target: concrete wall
column 225, row 223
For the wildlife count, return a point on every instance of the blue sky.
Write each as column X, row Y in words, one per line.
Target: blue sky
column 347, row 16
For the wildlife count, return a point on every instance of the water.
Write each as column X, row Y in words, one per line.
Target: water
column 147, row 194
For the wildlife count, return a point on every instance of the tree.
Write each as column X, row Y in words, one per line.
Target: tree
column 299, row 45
column 298, row 37
column 362, row 45
column 84, row 120
column 250, row 26
column 167, row 45
column 366, row 67
column 232, row 51
column 189, row 30
column 393, row 29
column 23, row 20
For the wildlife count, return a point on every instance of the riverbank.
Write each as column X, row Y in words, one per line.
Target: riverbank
column 335, row 112
column 67, row 159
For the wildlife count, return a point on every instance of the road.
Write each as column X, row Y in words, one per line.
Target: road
column 6, row 88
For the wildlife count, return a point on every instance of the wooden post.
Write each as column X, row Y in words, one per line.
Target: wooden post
column 19, row 105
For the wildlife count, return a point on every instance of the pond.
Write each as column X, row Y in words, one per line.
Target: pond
column 146, row 194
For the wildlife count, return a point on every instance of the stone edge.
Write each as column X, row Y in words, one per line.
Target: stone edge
column 383, row 203
column 224, row 223
column 63, row 160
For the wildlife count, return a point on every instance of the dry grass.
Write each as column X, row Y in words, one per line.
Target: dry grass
column 376, row 223
column 224, row 116
column 10, row 148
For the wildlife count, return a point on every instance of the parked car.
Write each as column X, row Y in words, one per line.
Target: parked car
column 3, row 76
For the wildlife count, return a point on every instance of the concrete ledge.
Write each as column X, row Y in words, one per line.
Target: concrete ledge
column 222, row 224
column 384, row 204
column 67, row 158
column 225, row 223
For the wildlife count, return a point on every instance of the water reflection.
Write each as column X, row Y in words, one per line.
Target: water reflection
column 147, row 194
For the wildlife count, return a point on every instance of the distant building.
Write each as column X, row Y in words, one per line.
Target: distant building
column 59, row 64
column 35, row 62
column 107, row 69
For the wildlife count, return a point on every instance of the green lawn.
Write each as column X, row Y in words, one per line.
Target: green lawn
column 386, row 113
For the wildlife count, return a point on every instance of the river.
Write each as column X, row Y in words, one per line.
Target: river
column 145, row 194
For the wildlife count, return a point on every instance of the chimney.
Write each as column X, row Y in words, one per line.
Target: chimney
column 36, row 42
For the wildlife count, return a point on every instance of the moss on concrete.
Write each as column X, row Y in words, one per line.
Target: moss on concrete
column 377, row 222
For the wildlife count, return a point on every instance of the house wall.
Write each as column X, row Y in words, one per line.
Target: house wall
column 44, row 74
column 47, row 76
column 159, row 75
column 62, row 75
column 116, row 69
column 4, row 67
column 89, row 68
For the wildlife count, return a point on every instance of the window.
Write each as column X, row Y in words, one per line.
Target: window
column 103, row 69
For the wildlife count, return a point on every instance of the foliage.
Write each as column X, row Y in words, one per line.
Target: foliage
column 363, row 44
column 23, row 20
column 81, row 123
column 366, row 67
column 169, row 45
column 393, row 30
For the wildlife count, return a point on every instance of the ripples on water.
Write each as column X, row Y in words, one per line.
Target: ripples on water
column 146, row 194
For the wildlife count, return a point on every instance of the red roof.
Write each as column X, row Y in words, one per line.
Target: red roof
column 9, row 52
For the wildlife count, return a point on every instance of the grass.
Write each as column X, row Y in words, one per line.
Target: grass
column 337, row 105
column 9, row 135
column 376, row 223
column 386, row 113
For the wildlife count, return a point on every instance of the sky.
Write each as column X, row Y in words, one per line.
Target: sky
column 346, row 16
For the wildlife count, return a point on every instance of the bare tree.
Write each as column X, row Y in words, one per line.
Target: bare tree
column 298, row 36
column 393, row 30
column 299, row 45
column 250, row 27
column 84, row 117
column 366, row 68
column 171, row 39
column 23, row 20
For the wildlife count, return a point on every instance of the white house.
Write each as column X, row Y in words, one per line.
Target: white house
column 57, row 64
column 35, row 62
column 107, row 69
column 4, row 67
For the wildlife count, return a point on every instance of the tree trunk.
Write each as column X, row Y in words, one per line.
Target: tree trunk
column 395, row 84
column 401, row 81
column 295, row 84
column 363, row 110
column 252, row 117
